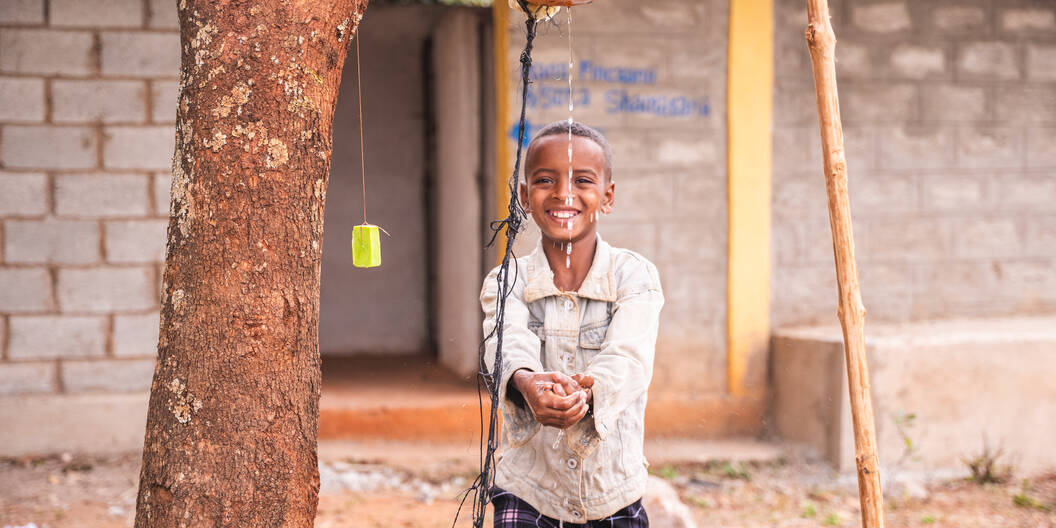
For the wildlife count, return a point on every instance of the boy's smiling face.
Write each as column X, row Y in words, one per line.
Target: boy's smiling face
column 547, row 191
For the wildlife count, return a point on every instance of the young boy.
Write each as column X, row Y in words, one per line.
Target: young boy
column 580, row 332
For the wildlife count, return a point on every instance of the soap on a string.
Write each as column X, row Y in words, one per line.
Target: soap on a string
column 366, row 246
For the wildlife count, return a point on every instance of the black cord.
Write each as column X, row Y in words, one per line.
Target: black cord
column 481, row 487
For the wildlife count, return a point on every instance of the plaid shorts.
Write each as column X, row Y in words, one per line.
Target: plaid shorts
column 512, row 512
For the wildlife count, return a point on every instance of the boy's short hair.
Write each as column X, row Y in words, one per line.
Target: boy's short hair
column 578, row 129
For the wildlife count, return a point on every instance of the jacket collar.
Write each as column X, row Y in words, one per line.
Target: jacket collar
column 598, row 285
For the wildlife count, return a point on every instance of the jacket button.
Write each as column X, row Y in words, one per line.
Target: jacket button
column 568, row 304
column 572, row 463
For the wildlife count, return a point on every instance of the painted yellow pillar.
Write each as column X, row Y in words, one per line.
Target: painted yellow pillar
column 749, row 114
column 500, row 13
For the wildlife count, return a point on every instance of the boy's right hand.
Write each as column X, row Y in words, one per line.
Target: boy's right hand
column 555, row 399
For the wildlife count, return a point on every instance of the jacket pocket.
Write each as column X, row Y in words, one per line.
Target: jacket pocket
column 592, row 335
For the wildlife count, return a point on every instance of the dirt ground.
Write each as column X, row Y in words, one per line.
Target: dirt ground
column 78, row 492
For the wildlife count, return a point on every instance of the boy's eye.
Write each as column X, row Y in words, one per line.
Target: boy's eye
column 586, row 181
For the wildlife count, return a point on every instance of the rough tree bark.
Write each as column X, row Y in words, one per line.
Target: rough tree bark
column 231, row 428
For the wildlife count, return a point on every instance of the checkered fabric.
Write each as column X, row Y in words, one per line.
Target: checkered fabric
column 512, row 512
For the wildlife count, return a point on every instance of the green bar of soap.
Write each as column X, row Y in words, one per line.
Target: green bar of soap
column 366, row 246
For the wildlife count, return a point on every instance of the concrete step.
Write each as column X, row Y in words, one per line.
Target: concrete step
column 941, row 391
column 412, row 398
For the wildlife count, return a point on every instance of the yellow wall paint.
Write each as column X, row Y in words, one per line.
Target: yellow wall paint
column 749, row 115
column 500, row 12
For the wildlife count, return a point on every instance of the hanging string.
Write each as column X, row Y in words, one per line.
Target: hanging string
column 481, row 487
column 362, row 140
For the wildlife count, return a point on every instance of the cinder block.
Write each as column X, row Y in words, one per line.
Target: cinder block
column 878, row 103
column 880, row 192
column 1040, row 236
column 23, row 194
column 699, row 195
column 799, row 192
column 797, row 148
column 653, row 196
column 136, row 54
column 27, row 378
column 25, row 290
column 1038, row 19
column 136, row 335
column 953, row 103
column 916, row 147
column 44, row 424
column 102, row 290
column 992, row 238
column 101, row 195
column 1041, row 62
column 105, row 101
column 993, row 60
column 918, row 61
column 636, row 236
column 162, row 193
column 990, row 147
column 667, row 15
column 886, row 17
column 22, row 12
column 853, row 61
column 161, row 14
column 1030, row 280
column 1026, row 192
column 48, row 147
column 123, row 375
column 808, row 294
column 954, row 193
column 96, row 13
column 956, row 18
column 909, row 239
column 163, row 105
column 135, row 241
column 139, row 147
column 23, row 99
column 1018, row 105
column 693, row 243
column 785, row 243
column 51, row 241
column 794, row 102
column 46, row 51
column 1041, row 148
column 687, row 151
column 50, row 337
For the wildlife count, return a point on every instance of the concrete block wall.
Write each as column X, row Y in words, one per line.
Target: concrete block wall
column 86, row 137
column 950, row 120
column 651, row 77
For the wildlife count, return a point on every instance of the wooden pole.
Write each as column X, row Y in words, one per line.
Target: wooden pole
column 822, row 43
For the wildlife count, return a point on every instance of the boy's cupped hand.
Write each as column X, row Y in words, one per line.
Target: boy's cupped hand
column 555, row 399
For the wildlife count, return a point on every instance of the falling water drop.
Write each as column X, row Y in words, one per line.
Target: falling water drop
column 568, row 249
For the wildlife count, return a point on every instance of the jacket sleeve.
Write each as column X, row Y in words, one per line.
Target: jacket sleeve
column 520, row 349
column 623, row 368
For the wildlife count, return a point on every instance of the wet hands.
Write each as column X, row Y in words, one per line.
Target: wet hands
column 555, row 399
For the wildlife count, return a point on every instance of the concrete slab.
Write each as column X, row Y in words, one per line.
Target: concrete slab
column 940, row 390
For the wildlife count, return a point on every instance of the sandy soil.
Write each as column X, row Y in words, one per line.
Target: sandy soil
column 100, row 492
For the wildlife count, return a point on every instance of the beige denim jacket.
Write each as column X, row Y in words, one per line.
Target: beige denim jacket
column 607, row 330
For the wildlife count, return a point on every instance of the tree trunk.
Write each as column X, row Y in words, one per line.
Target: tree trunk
column 234, row 407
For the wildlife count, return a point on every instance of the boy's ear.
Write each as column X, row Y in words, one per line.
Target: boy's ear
column 523, row 192
column 609, row 200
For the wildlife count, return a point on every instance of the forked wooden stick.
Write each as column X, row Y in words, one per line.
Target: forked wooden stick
column 822, row 43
